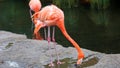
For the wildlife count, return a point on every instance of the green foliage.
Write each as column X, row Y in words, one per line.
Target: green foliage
column 65, row 3
column 99, row 4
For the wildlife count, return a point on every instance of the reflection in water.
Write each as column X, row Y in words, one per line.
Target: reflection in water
column 94, row 30
column 99, row 17
column 14, row 17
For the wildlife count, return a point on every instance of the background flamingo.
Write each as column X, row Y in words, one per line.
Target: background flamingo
column 53, row 16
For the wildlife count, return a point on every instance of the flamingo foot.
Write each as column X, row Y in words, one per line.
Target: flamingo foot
column 51, row 64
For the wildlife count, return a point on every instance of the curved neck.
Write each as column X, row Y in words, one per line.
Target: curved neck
column 62, row 28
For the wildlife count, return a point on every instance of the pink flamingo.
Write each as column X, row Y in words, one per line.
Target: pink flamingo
column 52, row 16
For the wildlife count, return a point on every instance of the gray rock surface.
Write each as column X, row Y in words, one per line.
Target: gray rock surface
column 108, row 61
column 16, row 51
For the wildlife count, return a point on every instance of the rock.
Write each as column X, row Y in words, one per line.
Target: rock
column 108, row 61
column 20, row 52
column 8, row 38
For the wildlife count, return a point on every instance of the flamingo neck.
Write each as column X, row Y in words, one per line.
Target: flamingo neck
column 62, row 28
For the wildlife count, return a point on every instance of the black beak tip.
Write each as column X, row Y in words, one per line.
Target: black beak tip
column 77, row 65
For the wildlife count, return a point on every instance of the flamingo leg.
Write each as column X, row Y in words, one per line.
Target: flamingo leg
column 53, row 39
column 49, row 39
column 45, row 35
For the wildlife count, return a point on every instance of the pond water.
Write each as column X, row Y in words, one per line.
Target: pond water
column 94, row 30
column 70, row 63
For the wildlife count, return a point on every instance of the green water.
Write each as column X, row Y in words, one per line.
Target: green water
column 94, row 30
column 70, row 63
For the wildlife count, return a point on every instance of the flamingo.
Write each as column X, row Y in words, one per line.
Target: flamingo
column 48, row 16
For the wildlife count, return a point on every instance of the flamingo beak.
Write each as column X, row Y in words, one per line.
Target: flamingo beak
column 79, row 61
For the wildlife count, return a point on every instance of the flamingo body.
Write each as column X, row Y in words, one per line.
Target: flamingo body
column 48, row 16
column 51, row 15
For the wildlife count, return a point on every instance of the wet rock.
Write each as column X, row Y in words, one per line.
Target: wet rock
column 20, row 52
column 108, row 61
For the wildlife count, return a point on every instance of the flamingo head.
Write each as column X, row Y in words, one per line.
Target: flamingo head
column 80, row 58
column 35, row 5
column 79, row 61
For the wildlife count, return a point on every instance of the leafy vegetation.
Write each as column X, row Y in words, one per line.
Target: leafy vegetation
column 65, row 3
column 99, row 4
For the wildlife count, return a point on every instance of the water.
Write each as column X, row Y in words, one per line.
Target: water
column 94, row 30
column 70, row 63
